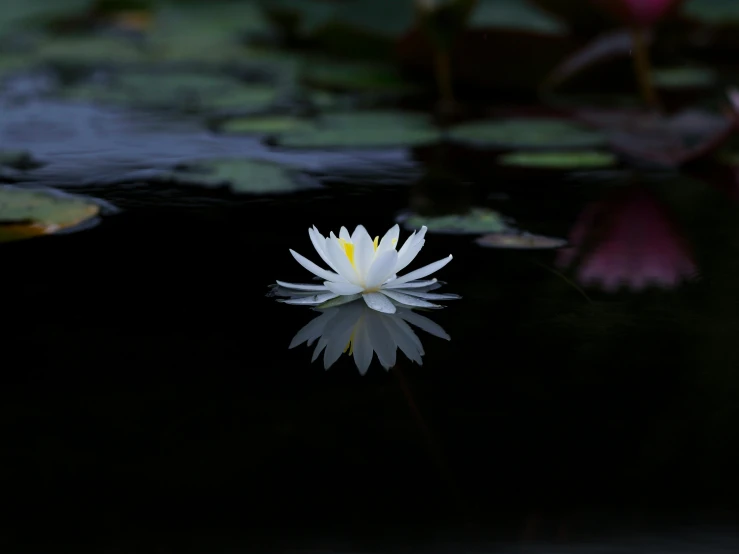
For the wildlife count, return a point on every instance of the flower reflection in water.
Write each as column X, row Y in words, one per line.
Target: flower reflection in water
column 361, row 332
column 628, row 240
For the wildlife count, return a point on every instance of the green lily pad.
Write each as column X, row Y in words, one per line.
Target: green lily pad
column 713, row 12
column 18, row 160
column 586, row 159
column 26, row 213
column 474, row 222
column 185, row 91
column 359, row 77
column 269, row 124
column 515, row 15
column 684, row 77
column 369, row 129
column 528, row 133
column 520, row 241
column 242, row 176
column 89, row 50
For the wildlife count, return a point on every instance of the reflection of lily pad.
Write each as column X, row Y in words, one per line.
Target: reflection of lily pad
column 365, row 130
column 529, row 133
column 356, row 77
column 684, row 77
column 266, row 124
column 520, row 241
column 474, row 222
column 188, row 91
column 586, row 159
column 26, row 213
column 243, row 176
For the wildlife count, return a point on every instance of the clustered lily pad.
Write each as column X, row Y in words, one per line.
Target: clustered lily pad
column 527, row 133
column 520, row 241
column 476, row 221
column 26, row 213
column 242, row 177
column 585, row 159
column 368, row 129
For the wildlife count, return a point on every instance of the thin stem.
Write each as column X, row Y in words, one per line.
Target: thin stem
column 643, row 67
column 443, row 68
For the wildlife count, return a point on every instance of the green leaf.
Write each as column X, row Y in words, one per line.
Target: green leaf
column 183, row 91
column 684, row 77
column 242, row 176
column 713, row 12
column 360, row 77
column 25, row 213
column 518, row 15
column 528, row 133
column 369, row 129
column 474, row 222
column 586, row 159
column 269, row 124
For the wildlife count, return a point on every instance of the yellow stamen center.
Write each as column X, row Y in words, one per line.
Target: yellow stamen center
column 348, row 250
column 350, row 345
column 376, row 242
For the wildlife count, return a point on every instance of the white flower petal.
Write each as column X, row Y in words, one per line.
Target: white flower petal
column 301, row 286
column 343, row 265
column 343, row 289
column 364, row 252
column 312, row 300
column 409, row 285
column 359, row 230
column 338, row 301
column 381, row 269
column 428, row 295
column 409, row 255
column 344, row 234
column 379, row 302
column 408, row 300
column 408, row 242
column 315, row 270
column 422, row 272
column 390, row 240
column 423, row 323
column 319, row 348
column 319, row 243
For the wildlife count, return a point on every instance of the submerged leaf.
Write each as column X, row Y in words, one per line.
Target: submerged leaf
column 584, row 159
column 365, row 130
column 527, row 133
column 26, row 213
column 476, row 221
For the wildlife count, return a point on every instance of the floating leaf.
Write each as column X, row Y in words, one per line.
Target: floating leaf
column 359, row 77
column 270, row 124
column 527, row 133
column 186, row 91
column 90, row 50
column 585, row 159
column 474, row 222
column 713, row 12
column 515, row 15
column 242, row 176
column 520, row 241
column 684, row 77
column 365, row 130
column 26, row 213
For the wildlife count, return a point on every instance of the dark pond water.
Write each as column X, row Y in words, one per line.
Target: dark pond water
column 151, row 402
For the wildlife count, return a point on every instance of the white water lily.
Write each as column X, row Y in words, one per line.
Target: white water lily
column 360, row 332
column 368, row 268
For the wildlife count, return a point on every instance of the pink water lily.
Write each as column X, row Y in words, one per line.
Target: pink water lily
column 367, row 268
column 629, row 240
